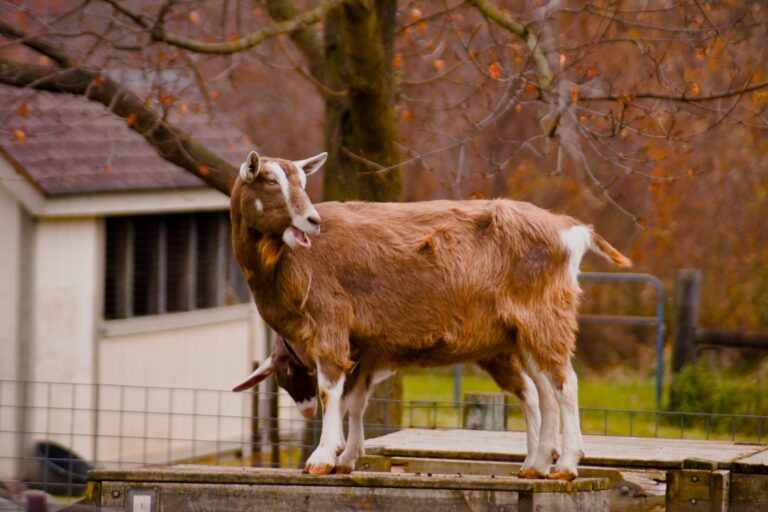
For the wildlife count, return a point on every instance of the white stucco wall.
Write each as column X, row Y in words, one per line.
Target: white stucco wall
column 10, row 271
column 66, row 283
column 176, row 372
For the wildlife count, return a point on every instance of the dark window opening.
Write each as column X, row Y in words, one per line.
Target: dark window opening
column 157, row 264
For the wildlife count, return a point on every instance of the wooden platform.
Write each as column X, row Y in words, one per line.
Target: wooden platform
column 644, row 473
column 606, row 451
column 210, row 488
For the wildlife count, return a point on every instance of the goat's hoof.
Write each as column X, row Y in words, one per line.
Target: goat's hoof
column 530, row 473
column 555, row 456
column 318, row 469
column 343, row 470
column 562, row 475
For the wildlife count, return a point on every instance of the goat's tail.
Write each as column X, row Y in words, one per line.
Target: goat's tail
column 600, row 246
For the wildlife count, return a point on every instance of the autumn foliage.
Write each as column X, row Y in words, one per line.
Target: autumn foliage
column 648, row 120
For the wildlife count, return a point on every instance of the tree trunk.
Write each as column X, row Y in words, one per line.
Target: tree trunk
column 360, row 126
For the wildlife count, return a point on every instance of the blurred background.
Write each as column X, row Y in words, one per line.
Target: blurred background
column 123, row 124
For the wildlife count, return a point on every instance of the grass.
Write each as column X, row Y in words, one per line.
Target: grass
column 611, row 406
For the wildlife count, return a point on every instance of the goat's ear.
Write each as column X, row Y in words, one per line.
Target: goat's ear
column 312, row 164
column 264, row 370
column 250, row 168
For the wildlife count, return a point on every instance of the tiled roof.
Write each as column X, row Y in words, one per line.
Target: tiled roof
column 65, row 144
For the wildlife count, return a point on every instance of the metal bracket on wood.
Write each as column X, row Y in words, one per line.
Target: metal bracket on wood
column 698, row 486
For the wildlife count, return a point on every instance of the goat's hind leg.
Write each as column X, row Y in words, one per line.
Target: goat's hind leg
column 508, row 374
column 538, row 462
column 565, row 384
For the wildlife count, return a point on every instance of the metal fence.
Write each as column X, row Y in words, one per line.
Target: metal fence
column 44, row 426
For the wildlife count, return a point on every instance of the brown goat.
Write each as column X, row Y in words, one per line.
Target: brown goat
column 387, row 285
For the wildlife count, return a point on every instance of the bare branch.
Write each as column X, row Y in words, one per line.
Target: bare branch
column 173, row 144
column 158, row 33
column 682, row 97
column 506, row 22
column 37, row 44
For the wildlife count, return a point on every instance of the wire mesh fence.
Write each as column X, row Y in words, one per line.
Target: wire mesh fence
column 52, row 433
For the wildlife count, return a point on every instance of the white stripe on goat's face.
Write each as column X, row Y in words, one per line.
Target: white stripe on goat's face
column 274, row 198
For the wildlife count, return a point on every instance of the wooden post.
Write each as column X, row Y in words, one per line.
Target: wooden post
column 255, row 434
column 687, row 309
column 484, row 411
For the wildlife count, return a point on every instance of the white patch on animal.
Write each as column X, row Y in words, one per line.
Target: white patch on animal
column 282, row 180
column 302, row 176
column 567, row 400
column 529, row 403
column 259, row 205
column 576, row 241
column 308, row 407
column 541, row 458
column 332, row 436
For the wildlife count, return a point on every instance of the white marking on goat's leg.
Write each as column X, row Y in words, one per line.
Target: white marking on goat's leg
column 573, row 444
column 529, row 404
column 355, row 401
column 539, row 464
column 323, row 459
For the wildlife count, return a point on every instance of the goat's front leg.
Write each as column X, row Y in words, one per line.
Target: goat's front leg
column 330, row 382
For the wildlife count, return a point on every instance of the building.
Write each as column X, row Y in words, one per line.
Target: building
column 119, row 288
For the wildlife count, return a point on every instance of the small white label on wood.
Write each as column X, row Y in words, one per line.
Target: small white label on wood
column 142, row 503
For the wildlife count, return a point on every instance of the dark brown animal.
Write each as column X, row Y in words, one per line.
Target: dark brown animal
column 298, row 380
column 433, row 283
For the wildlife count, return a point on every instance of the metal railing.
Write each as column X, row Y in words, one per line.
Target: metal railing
column 658, row 320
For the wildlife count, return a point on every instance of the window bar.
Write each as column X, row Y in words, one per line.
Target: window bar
column 162, row 265
column 191, row 298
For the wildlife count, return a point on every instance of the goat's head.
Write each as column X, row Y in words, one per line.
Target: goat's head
column 291, row 375
column 272, row 200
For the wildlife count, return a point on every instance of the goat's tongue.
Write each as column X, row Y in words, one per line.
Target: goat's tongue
column 301, row 237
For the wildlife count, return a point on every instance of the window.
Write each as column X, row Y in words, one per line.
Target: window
column 167, row 263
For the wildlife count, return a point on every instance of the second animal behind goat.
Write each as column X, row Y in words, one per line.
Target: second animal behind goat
column 363, row 289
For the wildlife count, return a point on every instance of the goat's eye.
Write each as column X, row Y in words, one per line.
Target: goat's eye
column 271, row 181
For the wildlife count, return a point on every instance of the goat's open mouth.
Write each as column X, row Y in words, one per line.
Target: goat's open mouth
column 301, row 237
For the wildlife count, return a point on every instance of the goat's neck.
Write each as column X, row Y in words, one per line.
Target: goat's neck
column 279, row 288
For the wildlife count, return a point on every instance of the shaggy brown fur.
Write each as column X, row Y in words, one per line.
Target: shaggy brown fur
column 429, row 284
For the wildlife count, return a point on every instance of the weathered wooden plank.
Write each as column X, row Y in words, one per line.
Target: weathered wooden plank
column 757, row 463
column 749, row 493
column 434, row 466
column 206, row 488
column 192, row 474
column 600, row 450
column 638, row 490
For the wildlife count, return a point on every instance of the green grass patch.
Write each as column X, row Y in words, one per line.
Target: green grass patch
column 610, row 406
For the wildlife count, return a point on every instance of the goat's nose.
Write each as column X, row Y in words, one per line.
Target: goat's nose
column 314, row 220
